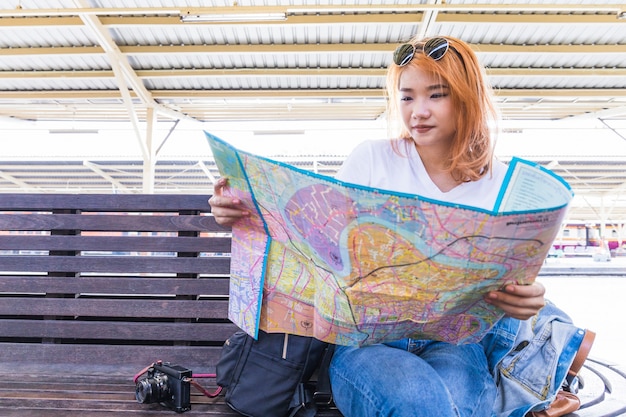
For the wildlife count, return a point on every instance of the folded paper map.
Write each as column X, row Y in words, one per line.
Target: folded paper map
column 354, row 265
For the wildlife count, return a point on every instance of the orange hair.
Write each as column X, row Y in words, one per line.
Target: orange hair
column 472, row 149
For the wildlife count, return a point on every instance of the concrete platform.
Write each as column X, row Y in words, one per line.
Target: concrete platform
column 584, row 266
column 604, row 390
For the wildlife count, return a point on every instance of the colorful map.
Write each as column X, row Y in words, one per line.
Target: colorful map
column 354, row 265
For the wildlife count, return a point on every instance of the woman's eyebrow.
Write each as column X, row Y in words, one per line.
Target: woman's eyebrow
column 428, row 88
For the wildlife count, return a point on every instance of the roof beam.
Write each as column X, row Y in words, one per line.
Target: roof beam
column 306, row 49
column 95, row 168
column 91, row 96
column 120, row 62
column 322, row 10
column 144, row 94
column 122, row 72
column 22, row 184
column 604, row 113
column 329, row 14
column 428, row 20
column 207, row 172
column 414, row 18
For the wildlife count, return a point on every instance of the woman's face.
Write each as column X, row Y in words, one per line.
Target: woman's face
column 426, row 108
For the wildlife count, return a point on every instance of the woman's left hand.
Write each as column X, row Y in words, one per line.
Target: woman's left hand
column 518, row 301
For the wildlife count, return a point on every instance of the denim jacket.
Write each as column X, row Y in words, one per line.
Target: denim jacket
column 529, row 359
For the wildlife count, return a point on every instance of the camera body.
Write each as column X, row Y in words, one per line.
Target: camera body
column 166, row 384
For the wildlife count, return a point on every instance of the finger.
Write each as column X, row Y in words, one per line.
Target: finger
column 218, row 203
column 219, row 186
column 514, row 310
column 216, row 199
column 516, row 299
column 514, row 305
column 229, row 211
column 228, row 217
column 535, row 289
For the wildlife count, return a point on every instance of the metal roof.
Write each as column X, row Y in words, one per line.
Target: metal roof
column 70, row 59
column 141, row 61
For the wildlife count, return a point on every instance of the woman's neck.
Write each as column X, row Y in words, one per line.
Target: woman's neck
column 436, row 163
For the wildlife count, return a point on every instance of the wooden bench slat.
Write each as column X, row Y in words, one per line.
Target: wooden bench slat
column 137, row 308
column 113, row 285
column 139, row 223
column 103, row 359
column 65, row 408
column 137, row 331
column 150, row 410
column 120, row 264
column 116, row 243
column 104, row 202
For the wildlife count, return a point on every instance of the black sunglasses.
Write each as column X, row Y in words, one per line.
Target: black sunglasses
column 434, row 48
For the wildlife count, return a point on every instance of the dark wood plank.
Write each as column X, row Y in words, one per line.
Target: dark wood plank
column 100, row 395
column 116, row 243
column 158, row 308
column 116, row 330
column 100, row 359
column 104, row 222
column 105, row 202
column 27, row 410
column 112, row 264
column 114, row 285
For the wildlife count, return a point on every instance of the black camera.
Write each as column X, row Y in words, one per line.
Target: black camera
column 166, row 384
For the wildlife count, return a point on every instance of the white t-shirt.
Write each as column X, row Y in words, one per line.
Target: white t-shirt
column 375, row 163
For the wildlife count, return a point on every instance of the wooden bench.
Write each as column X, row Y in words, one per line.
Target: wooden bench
column 96, row 287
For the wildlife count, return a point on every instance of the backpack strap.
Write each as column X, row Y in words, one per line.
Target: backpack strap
column 305, row 399
column 323, row 392
column 303, row 402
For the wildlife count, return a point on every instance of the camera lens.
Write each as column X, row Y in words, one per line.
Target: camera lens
column 153, row 390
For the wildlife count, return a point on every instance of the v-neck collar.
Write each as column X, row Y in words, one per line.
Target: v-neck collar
column 431, row 188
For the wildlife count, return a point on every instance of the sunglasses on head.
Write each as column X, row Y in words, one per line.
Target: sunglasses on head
column 434, row 48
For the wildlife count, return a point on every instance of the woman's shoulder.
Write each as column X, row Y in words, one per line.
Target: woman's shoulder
column 382, row 147
column 498, row 168
column 376, row 143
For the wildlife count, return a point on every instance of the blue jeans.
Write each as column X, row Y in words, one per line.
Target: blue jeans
column 412, row 378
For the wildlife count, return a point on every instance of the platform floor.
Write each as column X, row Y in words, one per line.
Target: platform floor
column 594, row 295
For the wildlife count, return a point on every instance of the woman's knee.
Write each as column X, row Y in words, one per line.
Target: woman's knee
column 465, row 373
column 382, row 381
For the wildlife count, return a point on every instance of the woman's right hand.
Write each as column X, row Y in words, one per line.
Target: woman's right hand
column 226, row 210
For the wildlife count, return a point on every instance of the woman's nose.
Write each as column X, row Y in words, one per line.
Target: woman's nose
column 420, row 110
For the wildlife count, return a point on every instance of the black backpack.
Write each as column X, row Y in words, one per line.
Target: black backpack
column 272, row 376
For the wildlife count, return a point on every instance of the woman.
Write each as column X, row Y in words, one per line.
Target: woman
column 437, row 91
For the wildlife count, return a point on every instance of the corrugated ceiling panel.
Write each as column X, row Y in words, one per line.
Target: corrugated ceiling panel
column 42, row 36
column 534, row 33
column 258, row 60
column 537, row 2
column 162, row 3
column 262, row 82
column 54, row 62
column 467, row 25
column 553, row 60
column 57, row 84
column 549, row 82
column 267, row 34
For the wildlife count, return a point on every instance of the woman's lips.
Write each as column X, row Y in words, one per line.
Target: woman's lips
column 423, row 128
